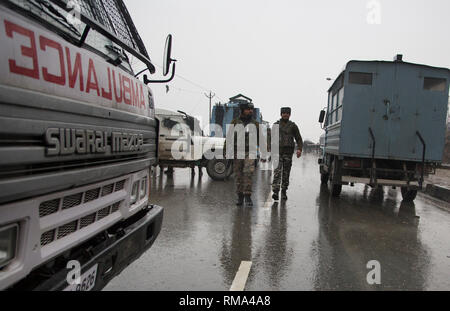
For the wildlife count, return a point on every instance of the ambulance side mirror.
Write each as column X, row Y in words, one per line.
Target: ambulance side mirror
column 167, row 53
column 168, row 60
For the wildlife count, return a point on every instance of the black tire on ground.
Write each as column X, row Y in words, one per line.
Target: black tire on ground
column 334, row 188
column 324, row 178
column 218, row 169
column 408, row 195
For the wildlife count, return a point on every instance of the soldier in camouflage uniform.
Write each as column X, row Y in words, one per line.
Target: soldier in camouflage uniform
column 244, row 168
column 288, row 132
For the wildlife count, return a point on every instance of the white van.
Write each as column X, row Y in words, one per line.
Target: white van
column 182, row 143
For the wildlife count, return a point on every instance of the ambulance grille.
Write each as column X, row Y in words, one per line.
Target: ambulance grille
column 71, row 227
column 67, row 229
column 87, row 220
column 103, row 213
column 48, row 207
column 119, row 185
column 115, row 207
column 72, row 200
column 53, row 206
column 91, row 195
column 107, row 189
column 48, row 237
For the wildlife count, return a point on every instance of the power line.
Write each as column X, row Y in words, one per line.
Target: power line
column 193, row 83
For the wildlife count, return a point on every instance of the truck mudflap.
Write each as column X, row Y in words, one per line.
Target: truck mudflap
column 106, row 260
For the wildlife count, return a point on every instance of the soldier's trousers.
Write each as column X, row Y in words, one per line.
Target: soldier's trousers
column 282, row 172
column 243, row 175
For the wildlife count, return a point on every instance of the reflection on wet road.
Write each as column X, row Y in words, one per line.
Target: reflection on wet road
column 310, row 242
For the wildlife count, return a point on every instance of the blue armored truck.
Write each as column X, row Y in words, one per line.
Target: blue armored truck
column 223, row 114
column 384, row 125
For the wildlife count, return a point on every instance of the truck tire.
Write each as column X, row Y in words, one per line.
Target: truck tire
column 408, row 195
column 218, row 169
column 335, row 188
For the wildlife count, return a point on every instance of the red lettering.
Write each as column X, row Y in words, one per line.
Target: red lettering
column 141, row 98
column 61, row 79
column 126, row 90
column 134, row 95
column 26, row 51
column 91, row 73
column 108, row 95
column 77, row 70
column 118, row 99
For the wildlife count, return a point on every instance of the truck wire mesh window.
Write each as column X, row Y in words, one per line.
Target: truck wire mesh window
column 360, row 78
column 434, row 84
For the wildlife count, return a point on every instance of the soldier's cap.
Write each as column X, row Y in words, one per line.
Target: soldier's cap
column 286, row 110
column 244, row 106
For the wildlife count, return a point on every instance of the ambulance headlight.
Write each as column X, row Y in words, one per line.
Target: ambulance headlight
column 134, row 192
column 8, row 244
column 144, row 186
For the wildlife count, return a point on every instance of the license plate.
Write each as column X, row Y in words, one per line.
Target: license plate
column 87, row 281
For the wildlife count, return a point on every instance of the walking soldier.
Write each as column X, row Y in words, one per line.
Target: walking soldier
column 288, row 132
column 244, row 165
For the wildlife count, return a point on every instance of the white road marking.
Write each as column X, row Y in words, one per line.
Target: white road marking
column 241, row 276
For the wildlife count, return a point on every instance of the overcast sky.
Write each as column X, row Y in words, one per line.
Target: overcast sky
column 279, row 53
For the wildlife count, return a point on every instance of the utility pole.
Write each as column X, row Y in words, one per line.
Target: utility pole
column 210, row 96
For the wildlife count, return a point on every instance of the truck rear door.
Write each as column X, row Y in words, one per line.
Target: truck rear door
column 380, row 79
column 419, row 105
column 403, row 113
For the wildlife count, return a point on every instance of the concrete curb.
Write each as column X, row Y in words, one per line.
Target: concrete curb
column 439, row 192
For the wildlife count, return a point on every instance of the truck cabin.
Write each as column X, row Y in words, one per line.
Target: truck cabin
column 78, row 139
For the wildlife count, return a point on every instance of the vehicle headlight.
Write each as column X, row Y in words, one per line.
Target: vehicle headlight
column 8, row 244
column 134, row 192
column 144, row 186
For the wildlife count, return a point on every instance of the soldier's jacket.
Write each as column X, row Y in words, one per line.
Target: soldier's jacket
column 288, row 132
column 244, row 123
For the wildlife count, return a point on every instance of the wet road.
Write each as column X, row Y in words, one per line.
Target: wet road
column 312, row 242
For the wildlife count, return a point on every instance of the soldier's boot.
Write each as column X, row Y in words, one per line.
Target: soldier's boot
column 248, row 200
column 240, row 200
column 283, row 194
column 275, row 196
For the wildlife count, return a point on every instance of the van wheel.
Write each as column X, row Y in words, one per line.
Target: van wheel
column 408, row 195
column 219, row 169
